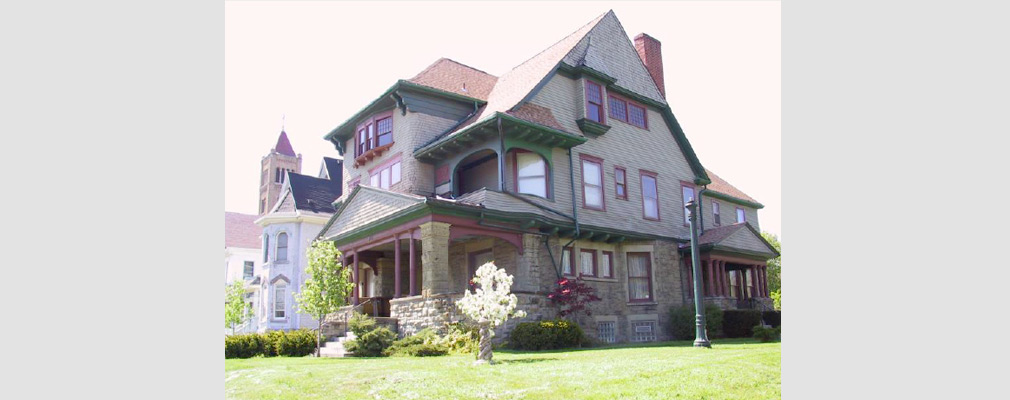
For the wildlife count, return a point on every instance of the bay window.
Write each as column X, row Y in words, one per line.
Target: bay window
column 592, row 183
column 530, row 173
column 376, row 131
column 650, row 196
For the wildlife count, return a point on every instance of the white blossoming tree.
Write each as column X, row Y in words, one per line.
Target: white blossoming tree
column 490, row 304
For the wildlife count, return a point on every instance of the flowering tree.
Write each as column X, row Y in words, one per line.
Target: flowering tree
column 573, row 296
column 328, row 285
column 236, row 310
column 490, row 304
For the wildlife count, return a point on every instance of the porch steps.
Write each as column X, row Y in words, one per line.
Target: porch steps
column 335, row 348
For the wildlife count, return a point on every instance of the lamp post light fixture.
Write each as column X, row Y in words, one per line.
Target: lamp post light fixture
column 700, row 334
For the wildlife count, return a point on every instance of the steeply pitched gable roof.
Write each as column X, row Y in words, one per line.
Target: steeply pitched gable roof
column 367, row 205
column 240, row 230
column 332, row 168
column 313, row 194
column 739, row 236
column 283, row 145
column 455, row 77
column 720, row 185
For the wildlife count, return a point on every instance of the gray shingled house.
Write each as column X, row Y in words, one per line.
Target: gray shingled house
column 571, row 164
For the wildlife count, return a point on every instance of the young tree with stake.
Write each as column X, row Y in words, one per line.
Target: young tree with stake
column 490, row 304
column 327, row 287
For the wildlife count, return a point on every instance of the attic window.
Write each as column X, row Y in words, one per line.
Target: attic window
column 627, row 111
column 373, row 136
column 594, row 101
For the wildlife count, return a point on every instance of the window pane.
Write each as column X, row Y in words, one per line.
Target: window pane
column 591, row 173
column 534, row 186
column 617, row 109
column 586, row 260
column 384, row 178
column 594, row 196
column 530, row 164
column 374, row 180
column 651, row 208
column 593, row 93
column 385, row 129
column 395, row 172
column 649, row 187
column 593, row 113
column 638, row 276
column 605, row 265
column 566, row 262
column 740, row 215
column 636, row 115
column 619, row 176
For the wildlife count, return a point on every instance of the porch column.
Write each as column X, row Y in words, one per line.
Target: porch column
column 757, row 280
column 764, row 280
column 723, row 290
column 435, row 258
column 413, row 266
column 710, row 284
column 357, row 277
column 396, row 265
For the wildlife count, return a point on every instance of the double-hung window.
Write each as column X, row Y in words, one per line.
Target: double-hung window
column 247, row 270
column 639, row 277
column 587, row 262
column 606, row 269
column 282, row 247
column 650, row 196
column 594, row 101
column 531, row 173
column 566, row 262
column 280, row 291
column 592, row 182
column 687, row 192
column 374, row 132
column 741, row 216
column 626, row 111
column 384, row 128
column 715, row 213
column 620, row 183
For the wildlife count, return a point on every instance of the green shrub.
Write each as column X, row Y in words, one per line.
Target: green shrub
column 543, row 335
column 765, row 334
column 462, row 338
column 682, row 321
column 425, row 342
column 292, row 344
column 360, row 324
column 371, row 343
column 738, row 323
column 773, row 318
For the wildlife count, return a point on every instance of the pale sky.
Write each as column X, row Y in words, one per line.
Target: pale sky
column 319, row 63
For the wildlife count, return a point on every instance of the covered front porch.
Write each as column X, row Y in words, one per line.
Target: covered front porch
column 734, row 267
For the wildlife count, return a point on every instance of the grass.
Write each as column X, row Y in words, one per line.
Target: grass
column 732, row 369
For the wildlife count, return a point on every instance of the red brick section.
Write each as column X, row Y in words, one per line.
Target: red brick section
column 649, row 50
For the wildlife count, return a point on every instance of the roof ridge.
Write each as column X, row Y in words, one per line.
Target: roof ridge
column 594, row 21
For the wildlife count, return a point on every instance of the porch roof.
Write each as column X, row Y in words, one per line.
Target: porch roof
column 740, row 239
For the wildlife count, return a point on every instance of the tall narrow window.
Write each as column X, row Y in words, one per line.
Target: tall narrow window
column 620, row 183
column 650, row 196
column 247, row 270
column 687, row 195
column 362, row 141
column 370, row 132
column 280, row 291
column 715, row 213
column 587, row 262
column 278, row 175
column 636, row 116
column 741, row 216
column 531, row 173
column 639, row 277
column 566, row 261
column 592, row 182
column 266, row 247
column 282, row 247
column 385, row 129
column 594, row 101
column 607, row 265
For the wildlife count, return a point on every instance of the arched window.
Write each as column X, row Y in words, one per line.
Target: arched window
column 282, row 247
column 280, row 291
column 531, row 173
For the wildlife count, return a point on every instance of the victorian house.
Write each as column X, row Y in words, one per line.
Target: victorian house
column 570, row 164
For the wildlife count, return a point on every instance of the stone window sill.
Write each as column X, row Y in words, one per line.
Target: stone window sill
column 596, row 279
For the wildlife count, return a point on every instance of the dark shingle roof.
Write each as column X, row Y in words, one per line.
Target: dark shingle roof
column 240, row 230
column 334, row 169
column 313, row 194
column 720, row 185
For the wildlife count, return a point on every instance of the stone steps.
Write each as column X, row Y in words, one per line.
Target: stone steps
column 335, row 348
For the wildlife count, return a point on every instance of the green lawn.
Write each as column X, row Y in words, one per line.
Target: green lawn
column 732, row 369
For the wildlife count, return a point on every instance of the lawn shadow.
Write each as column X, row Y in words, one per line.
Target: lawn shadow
column 524, row 360
column 674, row 343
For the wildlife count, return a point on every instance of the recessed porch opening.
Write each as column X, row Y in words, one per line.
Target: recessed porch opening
column 478, row 170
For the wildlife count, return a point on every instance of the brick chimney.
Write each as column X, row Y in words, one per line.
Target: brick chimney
column 650, row 51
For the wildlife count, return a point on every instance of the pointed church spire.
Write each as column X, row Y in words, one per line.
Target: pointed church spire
column 283, row 145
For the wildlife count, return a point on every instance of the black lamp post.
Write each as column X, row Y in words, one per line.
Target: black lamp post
column 700, row 334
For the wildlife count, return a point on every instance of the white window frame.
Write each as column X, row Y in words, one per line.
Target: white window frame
column 277, row 247
column 539, row 181
column 741, row 215
column 279, row 299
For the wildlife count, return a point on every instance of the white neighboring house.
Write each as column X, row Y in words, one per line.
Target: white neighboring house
column 303, row 208
column 242, row 253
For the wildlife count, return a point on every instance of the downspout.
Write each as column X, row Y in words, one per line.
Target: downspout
column 501, row 157
column 701, row 215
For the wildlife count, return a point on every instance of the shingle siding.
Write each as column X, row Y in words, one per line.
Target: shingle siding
column 623, row 145
column 727, row 213
column 745, row 239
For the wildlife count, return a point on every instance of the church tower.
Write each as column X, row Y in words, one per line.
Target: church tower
column 273, row 169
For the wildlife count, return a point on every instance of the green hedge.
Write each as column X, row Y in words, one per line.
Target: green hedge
column 682, row 321
column 739, row 323
column 424, row 343
column 543, row 335
column 371, row 343
column 773, row 318
column 297, row 343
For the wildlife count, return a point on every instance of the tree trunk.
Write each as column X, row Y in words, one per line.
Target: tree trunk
column 484, row 354
column 319, row 335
